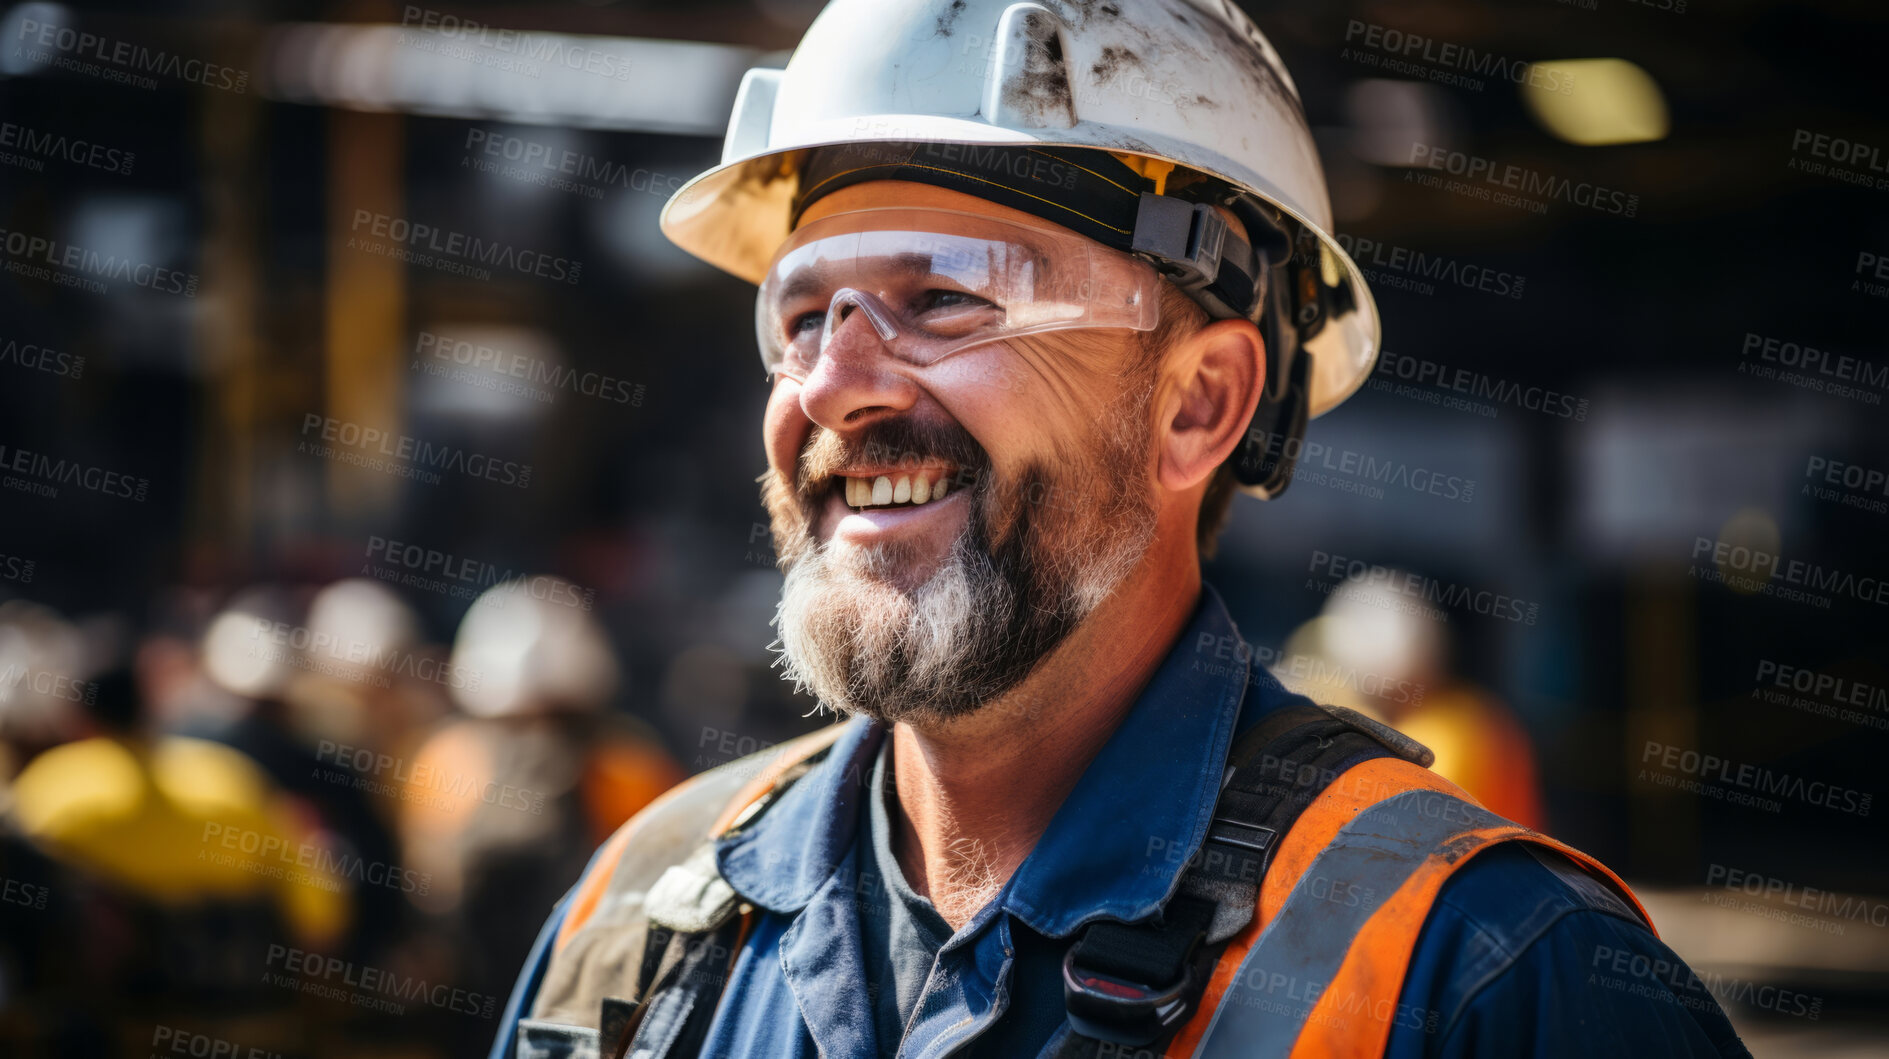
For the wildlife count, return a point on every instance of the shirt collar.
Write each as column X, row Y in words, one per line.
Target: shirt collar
column 1116, row 847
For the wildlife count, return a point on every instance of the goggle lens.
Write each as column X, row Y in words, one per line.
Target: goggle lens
column 933, row 282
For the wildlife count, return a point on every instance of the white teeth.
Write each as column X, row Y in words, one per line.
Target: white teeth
column 883, row 490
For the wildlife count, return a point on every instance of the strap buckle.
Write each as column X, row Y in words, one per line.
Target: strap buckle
column 1119, row 1011
column 1185, row 238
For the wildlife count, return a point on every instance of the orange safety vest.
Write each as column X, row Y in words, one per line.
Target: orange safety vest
column 1357, row 996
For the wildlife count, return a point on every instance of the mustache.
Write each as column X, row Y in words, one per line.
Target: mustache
column 900, row 442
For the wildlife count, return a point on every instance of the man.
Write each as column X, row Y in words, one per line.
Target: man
column 1041, row 286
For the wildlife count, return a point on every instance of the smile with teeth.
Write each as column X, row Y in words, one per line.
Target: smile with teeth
column 902, row 490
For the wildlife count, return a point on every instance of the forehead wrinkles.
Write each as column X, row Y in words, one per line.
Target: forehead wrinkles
column 823, row 274
column 993, row 246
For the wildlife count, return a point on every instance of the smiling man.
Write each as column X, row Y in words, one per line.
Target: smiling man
column 1041, row 286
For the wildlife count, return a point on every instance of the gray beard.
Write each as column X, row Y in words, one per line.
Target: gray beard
column 860, row 642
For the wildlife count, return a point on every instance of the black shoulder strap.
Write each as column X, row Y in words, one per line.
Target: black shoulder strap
column 1136, row 984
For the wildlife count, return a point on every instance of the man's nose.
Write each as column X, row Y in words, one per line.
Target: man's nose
column 856, row 379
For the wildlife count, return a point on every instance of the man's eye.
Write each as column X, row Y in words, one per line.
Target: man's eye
column 937, row 299
column 806, row 323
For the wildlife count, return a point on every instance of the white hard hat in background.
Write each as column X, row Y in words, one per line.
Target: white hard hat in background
column 529, row 645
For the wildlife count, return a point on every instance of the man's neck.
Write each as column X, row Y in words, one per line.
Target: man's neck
column 974, row 795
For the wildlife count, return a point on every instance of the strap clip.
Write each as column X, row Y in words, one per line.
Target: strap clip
column 1119, row 1011
column 1184, row 238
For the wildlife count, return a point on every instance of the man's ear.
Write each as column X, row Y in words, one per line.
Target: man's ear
column 1214, row 381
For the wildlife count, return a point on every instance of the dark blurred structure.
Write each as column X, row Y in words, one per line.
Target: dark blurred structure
column 301, row 293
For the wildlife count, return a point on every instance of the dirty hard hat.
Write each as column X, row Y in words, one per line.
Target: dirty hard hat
column 1183, row 104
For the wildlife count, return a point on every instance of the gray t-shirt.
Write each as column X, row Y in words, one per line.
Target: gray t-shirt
column 901, row 931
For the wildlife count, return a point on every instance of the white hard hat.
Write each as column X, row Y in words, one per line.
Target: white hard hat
column 1188, row 83
column 530, row 644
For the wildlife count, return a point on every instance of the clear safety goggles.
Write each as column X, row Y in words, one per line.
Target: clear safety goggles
column 934, row 282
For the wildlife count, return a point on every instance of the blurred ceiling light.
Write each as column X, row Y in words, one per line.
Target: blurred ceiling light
column 17, row 60
column 581, row 81
column 1594, row 102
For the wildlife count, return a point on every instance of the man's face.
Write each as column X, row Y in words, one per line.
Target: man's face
column 923, row 612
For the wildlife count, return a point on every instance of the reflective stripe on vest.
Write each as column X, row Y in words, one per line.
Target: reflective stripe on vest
column 1316, row 974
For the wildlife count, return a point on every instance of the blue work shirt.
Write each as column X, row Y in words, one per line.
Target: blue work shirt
column 1521, row 953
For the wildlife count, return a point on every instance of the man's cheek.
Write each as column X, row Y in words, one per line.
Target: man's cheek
column 789, row 517
column 784, row 427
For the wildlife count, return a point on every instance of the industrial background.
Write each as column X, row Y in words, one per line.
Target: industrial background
column 321, row 321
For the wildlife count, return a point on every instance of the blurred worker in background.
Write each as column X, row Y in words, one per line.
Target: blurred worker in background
column 503, row 807
column 1370, row 649
column 271, row 692
column 179, row 864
